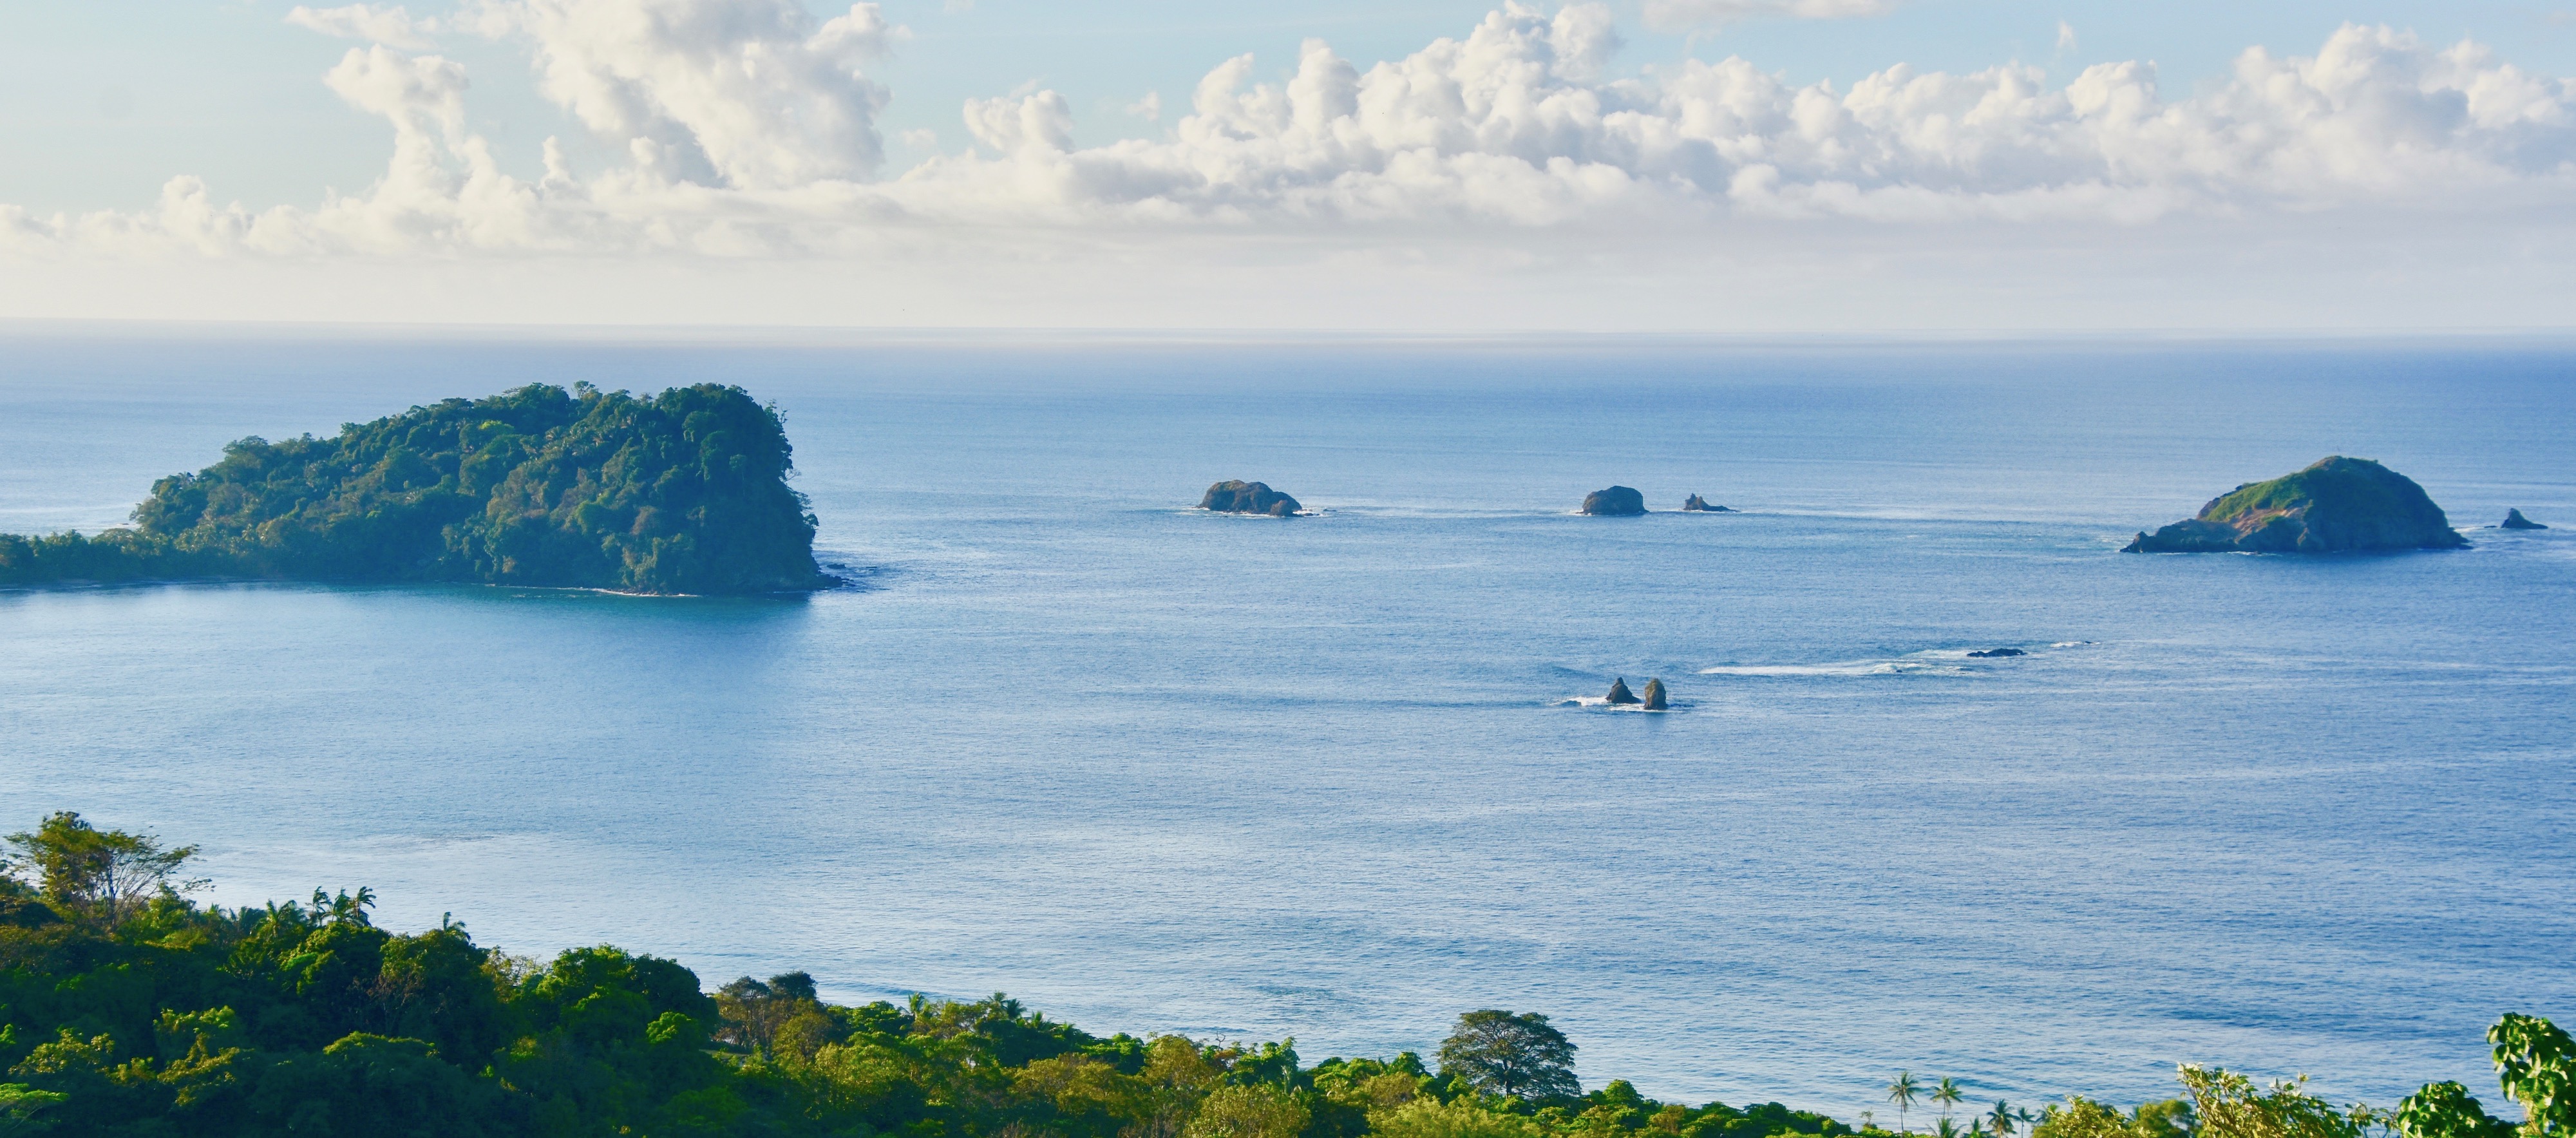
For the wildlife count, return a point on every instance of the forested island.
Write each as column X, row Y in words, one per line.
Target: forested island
column 127, row 1009
column 681, row 492
column 2335, row 505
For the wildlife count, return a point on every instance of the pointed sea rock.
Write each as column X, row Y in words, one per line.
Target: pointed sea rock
column 1620, row 696
column 1699, row 505
column 2513, row 519
column 1655, row 695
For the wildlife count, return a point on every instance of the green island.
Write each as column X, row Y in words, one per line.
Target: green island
column 684, row 492
column 2334, row 505
column 128, row 1009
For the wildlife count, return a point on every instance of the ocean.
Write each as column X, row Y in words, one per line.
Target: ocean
column 1153, row 770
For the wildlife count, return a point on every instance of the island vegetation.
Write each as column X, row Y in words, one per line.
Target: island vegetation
column 1236, row 496
column 2335, row 505
column 128, row 1009
column 681, row 492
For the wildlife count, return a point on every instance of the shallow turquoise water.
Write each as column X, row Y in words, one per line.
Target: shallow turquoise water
column 1153, row 770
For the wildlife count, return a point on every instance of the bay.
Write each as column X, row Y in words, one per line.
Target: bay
column 1153, row 770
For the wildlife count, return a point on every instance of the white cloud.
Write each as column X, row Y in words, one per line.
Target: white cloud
column 2065, row 36
column 1149, row 108
column 747, row 130
column 1675, row 15
column 392, row 27
column 743, row 94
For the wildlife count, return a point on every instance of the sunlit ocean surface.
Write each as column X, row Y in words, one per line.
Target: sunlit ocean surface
column 1156, row 771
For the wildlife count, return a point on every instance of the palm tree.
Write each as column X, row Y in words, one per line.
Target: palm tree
column 1948, row 1094
column 2026, row 1118
column 1948, row 1129
column 2000, row 1123
column 1902, row 1093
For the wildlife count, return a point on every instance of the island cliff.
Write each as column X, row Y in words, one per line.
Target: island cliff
column 1235, row 496
column 2338, row 505
column 683, row 492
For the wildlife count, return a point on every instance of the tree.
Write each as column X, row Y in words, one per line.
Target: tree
column 1949, row 1094
column 2229, row 1106
column 107, row 874
column 19, row 1107
column 2000, row 1122
column 1259, row 1111
column 2446, row 1110
column 1510, row 1054
column 2536, row 1063
column 1902, row 1092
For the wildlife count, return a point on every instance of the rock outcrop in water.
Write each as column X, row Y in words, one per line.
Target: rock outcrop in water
column 1620, row 696
column 681, row 492
column 1615, row 502
column 1654, row 699
column 2338, row 505
column 1699, row 505
column 2513, row 519
column 1235, row 496
column 1996, row 653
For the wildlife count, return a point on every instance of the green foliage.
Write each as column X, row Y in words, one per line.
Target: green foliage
column 20, row 1108
column 2229, row 1105
column 2081, row 1117
column 2446, row 1110
column 306, row 1018
column 1510, row 1054
column 2336, row 485
column 107, row 875
column 683, row 492
column 2536, row 1063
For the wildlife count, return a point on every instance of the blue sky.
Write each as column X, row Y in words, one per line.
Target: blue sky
column 2454, row 161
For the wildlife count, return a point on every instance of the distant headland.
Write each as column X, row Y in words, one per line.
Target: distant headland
column 680, row 493
column 2337, row 505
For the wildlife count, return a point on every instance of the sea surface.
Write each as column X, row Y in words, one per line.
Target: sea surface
column 1153, row 770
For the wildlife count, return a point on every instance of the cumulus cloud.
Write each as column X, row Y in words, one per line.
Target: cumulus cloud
column 1676, row 15
column 744, row 94
column 747, row 128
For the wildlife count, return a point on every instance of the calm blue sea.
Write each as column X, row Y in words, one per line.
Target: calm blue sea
column 1157, row 771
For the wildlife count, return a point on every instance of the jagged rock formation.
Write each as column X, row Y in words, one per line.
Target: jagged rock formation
column 1995, row 653
column 1620, row 696
column 1235, row 496
column 2338, row 505
column 1654, row 695
column 1615, row 502
column 2513, row 519
column 1699, row 505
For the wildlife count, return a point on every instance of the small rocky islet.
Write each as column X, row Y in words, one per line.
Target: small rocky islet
column 1236, row 496
column 2336, row 505
column 2513, row 519
column 1614, row 502
column 1653, row 700
column 1698, row 505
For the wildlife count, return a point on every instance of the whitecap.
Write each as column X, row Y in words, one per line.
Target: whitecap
column 1846, row 668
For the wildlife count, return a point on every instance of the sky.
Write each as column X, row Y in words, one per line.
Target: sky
column 1687, row 166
